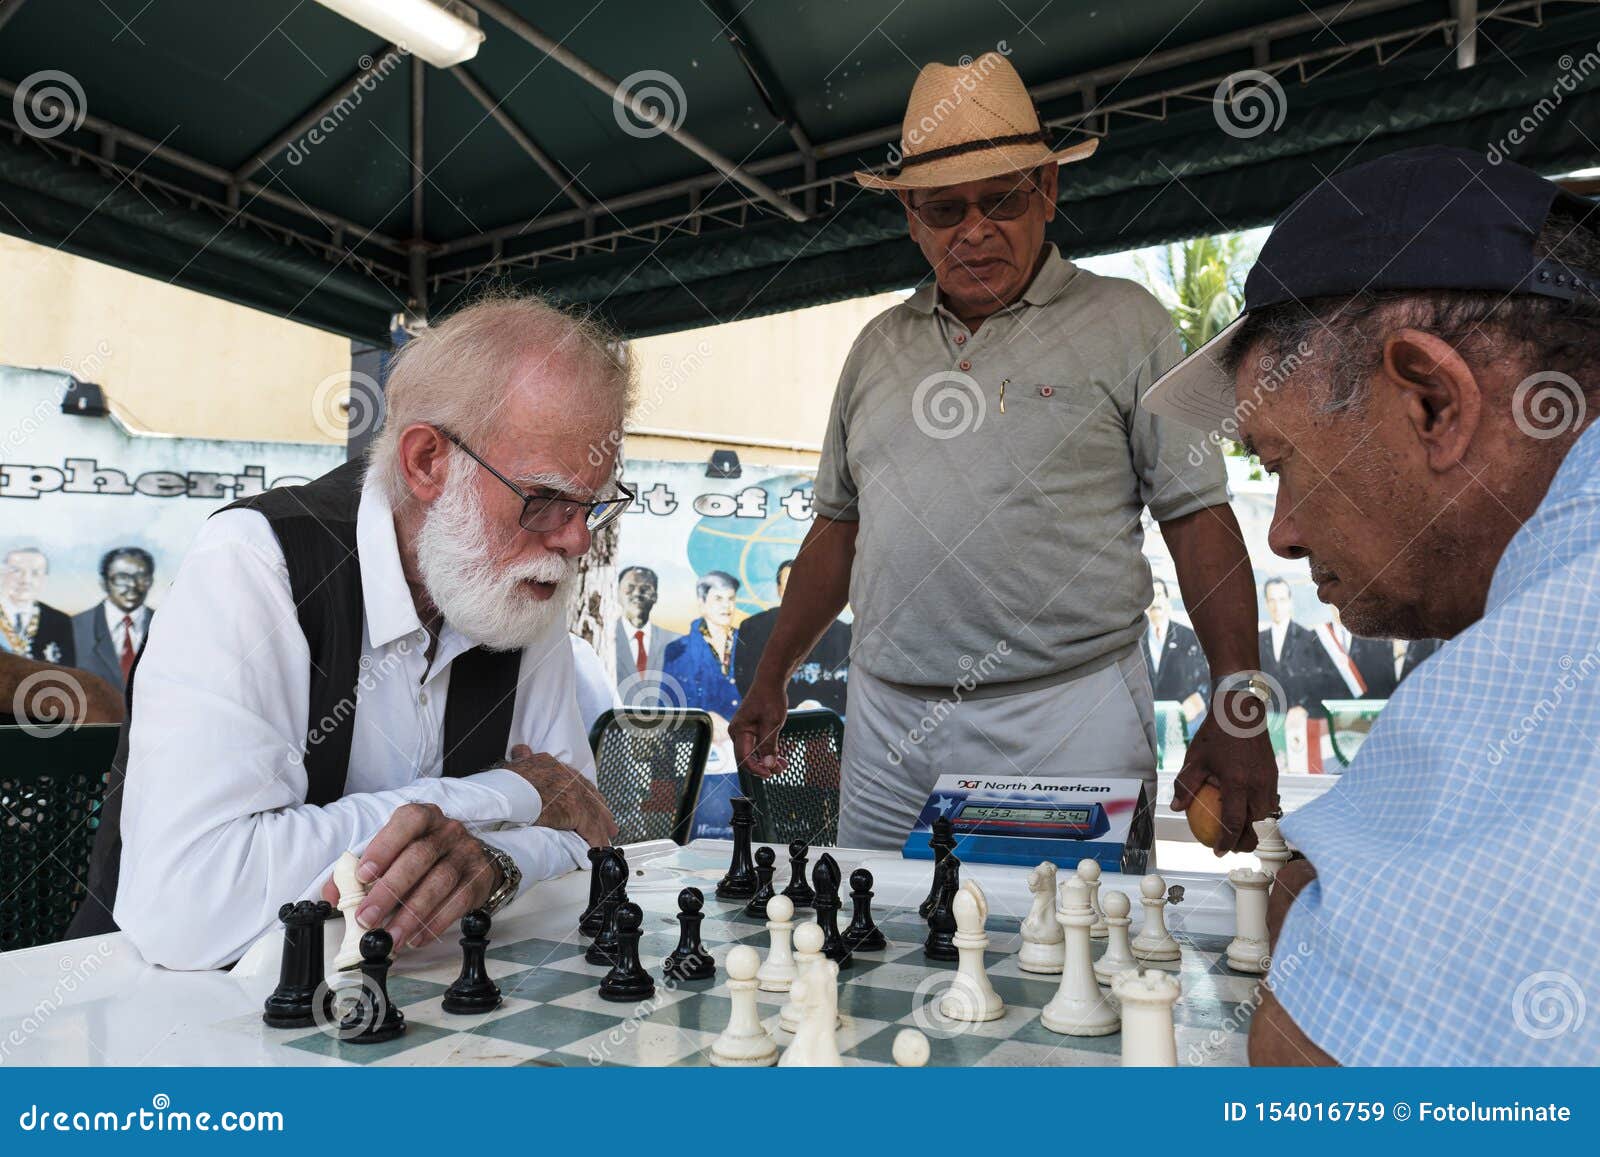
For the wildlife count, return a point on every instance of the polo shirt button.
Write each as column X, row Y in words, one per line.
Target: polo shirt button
column 966, row 365
column 961, row 339
column 1046, row 391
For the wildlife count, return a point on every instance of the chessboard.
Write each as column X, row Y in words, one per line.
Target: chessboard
column 552, row 1014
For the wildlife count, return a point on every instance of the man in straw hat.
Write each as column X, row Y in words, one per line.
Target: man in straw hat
column 983, row 476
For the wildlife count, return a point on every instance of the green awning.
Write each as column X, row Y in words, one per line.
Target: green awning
column 175, row 157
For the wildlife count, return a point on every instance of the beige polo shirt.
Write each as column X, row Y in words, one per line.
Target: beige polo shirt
column 999, row 479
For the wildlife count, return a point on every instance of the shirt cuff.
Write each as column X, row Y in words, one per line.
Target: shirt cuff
column 847, row 513
column 523, row 805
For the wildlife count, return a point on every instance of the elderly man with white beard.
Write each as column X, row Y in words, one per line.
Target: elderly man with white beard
column 377, row 661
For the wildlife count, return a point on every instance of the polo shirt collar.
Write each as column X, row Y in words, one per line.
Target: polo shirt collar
column 1053, row 276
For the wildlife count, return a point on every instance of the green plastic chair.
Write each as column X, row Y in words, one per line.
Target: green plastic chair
column 800, row 802
column 648, row 765
column 51, row 788
column 1350, row 721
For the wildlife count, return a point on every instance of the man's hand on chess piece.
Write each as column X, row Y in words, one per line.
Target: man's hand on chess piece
column 571, row 802
column 424, row 872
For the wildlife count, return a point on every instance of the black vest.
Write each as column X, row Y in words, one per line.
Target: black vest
column 316, row 526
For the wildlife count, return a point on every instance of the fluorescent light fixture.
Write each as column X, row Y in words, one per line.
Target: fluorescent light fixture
column 423, row 28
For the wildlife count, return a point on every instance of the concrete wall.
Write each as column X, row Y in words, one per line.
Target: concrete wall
column 177, row 362
column 171, row 360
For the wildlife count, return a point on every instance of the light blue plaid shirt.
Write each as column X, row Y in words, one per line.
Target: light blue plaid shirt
column 1455, row 919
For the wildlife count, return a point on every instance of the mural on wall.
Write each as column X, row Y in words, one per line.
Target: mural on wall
column 94, row 522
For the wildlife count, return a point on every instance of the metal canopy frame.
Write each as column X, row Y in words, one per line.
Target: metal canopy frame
column 415, row 267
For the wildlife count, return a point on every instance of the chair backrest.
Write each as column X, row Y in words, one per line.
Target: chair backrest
column 51, row 787
column 648, row 764
column 801, row 802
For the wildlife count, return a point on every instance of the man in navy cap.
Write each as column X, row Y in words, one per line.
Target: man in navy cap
column 1418, row 363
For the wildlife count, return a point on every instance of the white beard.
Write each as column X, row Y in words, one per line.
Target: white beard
column 478, row 597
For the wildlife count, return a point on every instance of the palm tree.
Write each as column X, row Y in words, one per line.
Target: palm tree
column 1201, row 282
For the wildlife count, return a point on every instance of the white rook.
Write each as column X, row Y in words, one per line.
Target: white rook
column 1247, row 951
column 1148, row 1036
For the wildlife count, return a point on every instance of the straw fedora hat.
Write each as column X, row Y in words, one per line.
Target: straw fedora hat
column 968, row 123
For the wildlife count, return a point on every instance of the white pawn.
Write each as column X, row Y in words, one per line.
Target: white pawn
column 807, row 951
column 911, row 1049
column 816, row 1041
column 1148, row 1036
column 1118, row 956
column 1078, row 1008
column 1249, row 948
column 971, row 997
column 352, row 894
column 777, row 971
column 1090, row 871
column 1271, row 849
column 1154, row 942
column 1041, row 931
column 744, row 1042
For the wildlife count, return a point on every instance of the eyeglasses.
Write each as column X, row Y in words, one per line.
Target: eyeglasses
column 544, row 514
column 947, row 214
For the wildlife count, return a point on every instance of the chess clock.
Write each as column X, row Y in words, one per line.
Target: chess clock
column 1022, row 821
column 1039, row 820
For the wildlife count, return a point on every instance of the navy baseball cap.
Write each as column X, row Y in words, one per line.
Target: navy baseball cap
column 1428, row 218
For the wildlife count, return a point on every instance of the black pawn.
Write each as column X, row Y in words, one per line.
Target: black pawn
column 943, row 842
column 627, row 979
column 863, row 935
column 613, row 894
column 690, row 960
column 593, row 918
column 740, row 882
column 473, row 991
column 825, row 878
column 374, row 1017
column 293, row 1002
column 765, row 859
column 941, row 944
column 798, row 890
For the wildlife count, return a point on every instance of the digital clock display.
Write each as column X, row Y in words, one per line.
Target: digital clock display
column 1052, row 815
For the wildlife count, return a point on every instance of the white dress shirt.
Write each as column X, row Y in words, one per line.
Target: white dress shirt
column 216, row 831
column 1279, row 631
column 1158, row 644
column 114, row 617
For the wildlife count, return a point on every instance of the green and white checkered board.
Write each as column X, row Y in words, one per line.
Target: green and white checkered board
column 553, row 1015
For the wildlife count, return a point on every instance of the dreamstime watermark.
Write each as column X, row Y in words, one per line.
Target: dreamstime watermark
column 947, row 404
column 1573, row 673
column 370, row 673
column 648, row 103
column 49, row 702
column 347, row 404
column 372, row 74
column 1573, row 74
column 1548, row 1004
column 1248, row 103
column 1244, row 714
column 674, row 375
column 348, row 1003
column 1272, row 373
column 653, row 700
column 606, row 1048
column 1548, row 404
column 49, row 103
column 73, row 974
column 1236, row 1022
column 973, row 72
column 975, row 672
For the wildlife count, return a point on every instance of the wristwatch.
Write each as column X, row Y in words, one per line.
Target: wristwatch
column 510, row 878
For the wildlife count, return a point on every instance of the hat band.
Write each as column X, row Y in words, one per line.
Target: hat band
column 977, row 146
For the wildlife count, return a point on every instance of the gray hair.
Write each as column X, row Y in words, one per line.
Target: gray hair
column 715, row 580
column 455, row 374
column 1347, row 332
